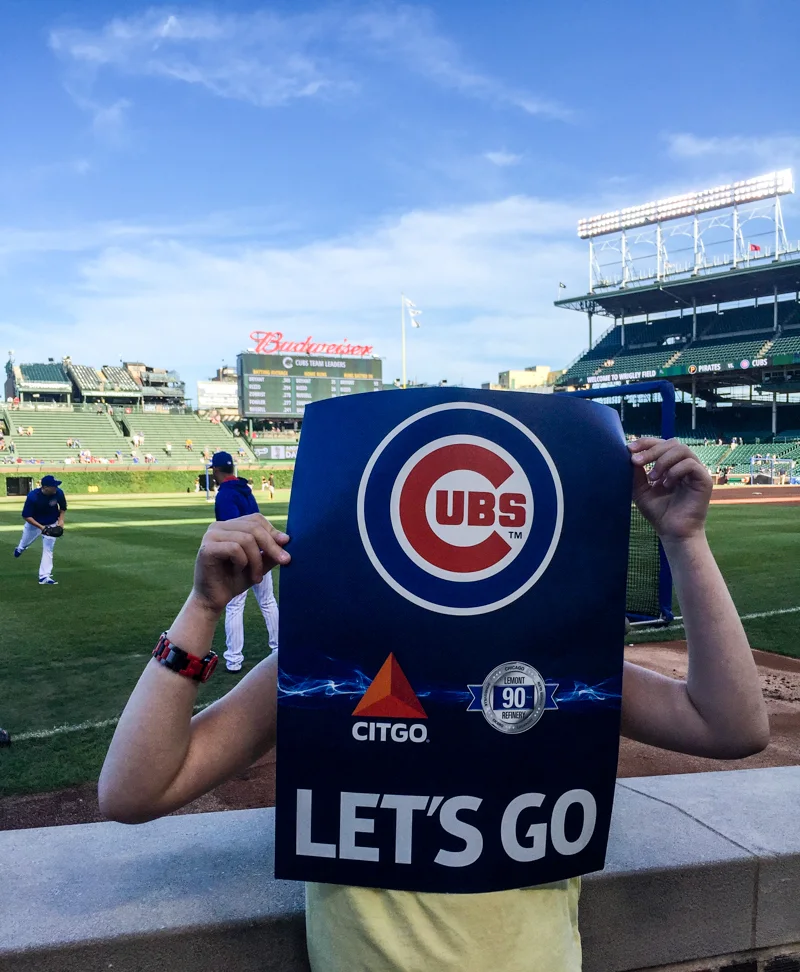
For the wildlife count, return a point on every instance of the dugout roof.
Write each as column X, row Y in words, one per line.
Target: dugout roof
column 714, row 288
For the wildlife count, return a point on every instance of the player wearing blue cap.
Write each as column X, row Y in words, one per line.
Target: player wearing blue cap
column 235, row 499
column 43, row 513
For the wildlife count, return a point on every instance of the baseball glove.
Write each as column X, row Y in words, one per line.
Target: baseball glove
column 53, row 531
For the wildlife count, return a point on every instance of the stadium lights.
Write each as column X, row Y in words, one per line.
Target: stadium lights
column 688, row 204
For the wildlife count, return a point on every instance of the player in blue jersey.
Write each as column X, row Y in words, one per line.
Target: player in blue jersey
column 44, row 517
column 235, row 499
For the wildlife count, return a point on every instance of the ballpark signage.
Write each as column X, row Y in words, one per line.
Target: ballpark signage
column 451, row 641
column 283, row 384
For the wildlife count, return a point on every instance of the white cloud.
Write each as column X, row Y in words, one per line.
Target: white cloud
column 409, row 33
column 486, row 276
column 503, row 158
column 772, row 151
column 270, row 59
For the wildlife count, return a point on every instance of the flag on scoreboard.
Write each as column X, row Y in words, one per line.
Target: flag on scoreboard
column 754, row 248
column 561, row 286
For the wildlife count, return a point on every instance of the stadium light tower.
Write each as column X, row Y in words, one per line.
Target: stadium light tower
column 650, row 217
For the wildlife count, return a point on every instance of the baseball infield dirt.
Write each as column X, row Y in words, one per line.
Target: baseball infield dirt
column 780, row 678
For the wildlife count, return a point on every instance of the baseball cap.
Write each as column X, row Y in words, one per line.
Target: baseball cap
column 50, row 481
column 221, row 459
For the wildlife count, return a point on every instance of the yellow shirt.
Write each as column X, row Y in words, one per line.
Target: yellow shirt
column 367, row 930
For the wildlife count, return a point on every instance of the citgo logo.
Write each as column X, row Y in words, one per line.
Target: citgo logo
column 461, row 523
column 390, row 696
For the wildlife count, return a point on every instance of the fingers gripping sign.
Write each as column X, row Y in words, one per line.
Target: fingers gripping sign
column 675, row 493
column 234, row 555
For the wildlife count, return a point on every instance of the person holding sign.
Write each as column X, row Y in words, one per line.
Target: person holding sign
column 163, row 757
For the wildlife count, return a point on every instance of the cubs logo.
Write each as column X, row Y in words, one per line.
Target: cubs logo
column 460, row 508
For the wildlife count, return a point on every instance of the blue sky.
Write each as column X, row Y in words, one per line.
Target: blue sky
column 174, row 177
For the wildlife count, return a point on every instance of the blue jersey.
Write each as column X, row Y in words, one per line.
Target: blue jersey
column 44, row 509
column 234, row 498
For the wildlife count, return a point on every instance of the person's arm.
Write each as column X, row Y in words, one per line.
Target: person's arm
column 719, row 710
column 161, row 757
column 34, row 522
column 62, row 509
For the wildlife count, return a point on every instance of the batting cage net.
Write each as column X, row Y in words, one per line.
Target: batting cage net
column 645, row 408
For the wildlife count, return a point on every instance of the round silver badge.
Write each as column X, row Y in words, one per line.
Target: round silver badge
column 513, row 697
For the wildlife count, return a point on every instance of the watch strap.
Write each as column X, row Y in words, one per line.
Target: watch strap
column 183, row 663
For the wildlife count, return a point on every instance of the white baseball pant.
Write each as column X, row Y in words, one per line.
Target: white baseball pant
column 234, row 621
column 29, row 534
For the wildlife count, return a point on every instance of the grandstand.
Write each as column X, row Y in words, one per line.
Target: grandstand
column 723, row 327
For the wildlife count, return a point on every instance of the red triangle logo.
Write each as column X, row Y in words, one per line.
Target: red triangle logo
column 390, row 696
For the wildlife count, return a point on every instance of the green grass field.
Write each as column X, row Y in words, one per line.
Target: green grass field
column 72, row 653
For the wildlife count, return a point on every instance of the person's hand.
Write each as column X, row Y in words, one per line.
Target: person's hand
column 234, row 555
column 674, row 495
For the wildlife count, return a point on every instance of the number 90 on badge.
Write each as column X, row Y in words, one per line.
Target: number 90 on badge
column 513, row 697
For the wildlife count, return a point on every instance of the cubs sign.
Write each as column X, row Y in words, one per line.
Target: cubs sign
column 451, row 641
column 449, row 523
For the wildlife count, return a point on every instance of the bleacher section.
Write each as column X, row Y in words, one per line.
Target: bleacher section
column 158, row 430
column 707, row 351
column 710, row 455
column 97, row 432
column 637, row 362
column 786, row 344
column 120, row 379
column 732, row 335
column 49, row 377
column 85, row 377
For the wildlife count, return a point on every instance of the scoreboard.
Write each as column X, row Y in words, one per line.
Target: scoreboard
column 281, row 385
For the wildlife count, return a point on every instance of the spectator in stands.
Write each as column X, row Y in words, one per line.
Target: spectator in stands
column 168, row 449
column 254, row 434
column 236, row 432
column 69, row 443
column 189, row 445
column 29, row 430
column 11, row 447
column 148, row 457
column 206, row 453
column 141, row 438
column 242, row 451
column 76, row 443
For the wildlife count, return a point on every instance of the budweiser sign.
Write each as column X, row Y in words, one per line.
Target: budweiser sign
column 271, row 342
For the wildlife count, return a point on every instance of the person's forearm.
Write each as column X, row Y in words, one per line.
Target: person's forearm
column 722, row 681
column 153, row 735
column 30, row 519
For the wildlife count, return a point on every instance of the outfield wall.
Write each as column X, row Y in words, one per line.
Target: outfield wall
column 129, row 479
column 703, row 873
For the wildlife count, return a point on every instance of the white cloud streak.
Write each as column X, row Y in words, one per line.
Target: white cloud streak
column 503, row 159
column 486, row 274
column 772, row 151
column 269, row 59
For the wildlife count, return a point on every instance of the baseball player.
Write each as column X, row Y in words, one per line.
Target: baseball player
column 234, row 499
column 43, row 513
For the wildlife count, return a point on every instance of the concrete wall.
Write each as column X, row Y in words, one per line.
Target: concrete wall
column 703, row 873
